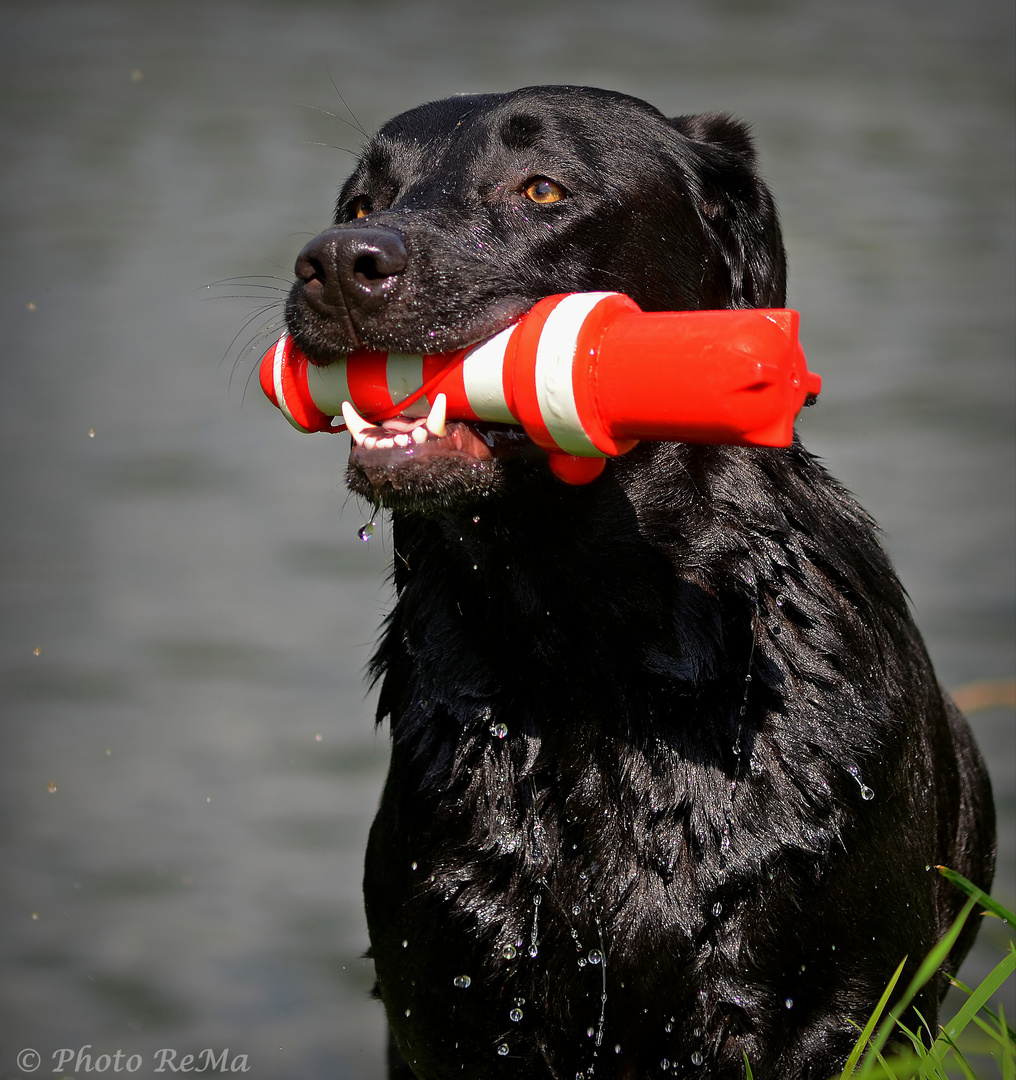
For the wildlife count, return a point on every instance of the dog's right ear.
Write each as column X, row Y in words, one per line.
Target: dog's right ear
column 746, row 265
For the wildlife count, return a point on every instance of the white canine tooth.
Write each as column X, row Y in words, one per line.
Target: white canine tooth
column 355, row 422
column 435, row 422
column 419, row 434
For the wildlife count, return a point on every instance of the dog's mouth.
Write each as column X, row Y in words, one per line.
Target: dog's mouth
column 403, row 438
column 428, row 462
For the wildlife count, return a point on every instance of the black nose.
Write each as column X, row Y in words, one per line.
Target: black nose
column 345, row 269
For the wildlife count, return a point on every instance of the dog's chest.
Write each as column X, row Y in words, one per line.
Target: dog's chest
column 509, row 913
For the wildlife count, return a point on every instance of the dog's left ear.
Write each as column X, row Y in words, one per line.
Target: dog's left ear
column 746, row 266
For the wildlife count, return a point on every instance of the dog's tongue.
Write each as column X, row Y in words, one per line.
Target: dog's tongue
column 398, row 424
column 402, row 437
column 401, row 431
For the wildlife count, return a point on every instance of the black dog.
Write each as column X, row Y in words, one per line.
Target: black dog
column 670, row 768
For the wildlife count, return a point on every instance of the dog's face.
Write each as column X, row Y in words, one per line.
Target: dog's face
column 462, row 213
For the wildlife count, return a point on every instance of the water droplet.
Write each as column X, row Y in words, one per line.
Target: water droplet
column 780, row 600
column 789, row 1003
column 668, row 1028
column 576, row 910
column 617, row 1048
column 405, row 943
column 582, row 961
column 595, row 956
column 503, row 1049
column 413, row 865
column 508, row 952
column 365, row 532
column 533, row 951
column 91, row 433
column 537, row 899
column 696, row 1058
column 664, row 1064
column 408, row 1013
column 717, row 908
column 500, row 730
column 462, row 981
column 51, row 786
column 866, row 793
column 515, row 1015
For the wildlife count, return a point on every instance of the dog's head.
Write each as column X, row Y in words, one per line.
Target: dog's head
column 462, row 213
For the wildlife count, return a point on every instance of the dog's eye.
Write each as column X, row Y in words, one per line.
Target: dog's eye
column 542, row 190
column 361, row 206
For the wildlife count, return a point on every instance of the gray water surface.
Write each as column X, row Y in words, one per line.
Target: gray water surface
column 189, row 766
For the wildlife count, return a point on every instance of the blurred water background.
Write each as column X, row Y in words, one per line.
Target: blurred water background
column 188, row 766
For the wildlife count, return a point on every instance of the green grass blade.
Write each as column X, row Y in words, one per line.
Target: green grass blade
column 869, row 1027
column 903, row 1067
column 978, row 997
column 968, row 1073
column 922, row 1064
column 989, row 903
column 984, row 1009
column 932, row 962
column 987, row 1029
column 987, row 1012
column 919, row 1048
column 748, row 1075
column 1008, row 1052
column 889, row 1070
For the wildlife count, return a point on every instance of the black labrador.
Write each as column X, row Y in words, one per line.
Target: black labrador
column 670, row 768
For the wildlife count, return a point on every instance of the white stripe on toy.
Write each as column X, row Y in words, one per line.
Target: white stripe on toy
column 404, row 375
column 328, row 384
column 555, row 356
column 483, row 378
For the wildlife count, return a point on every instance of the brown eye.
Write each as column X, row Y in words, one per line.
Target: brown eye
column 361, row 206
column 541, row 190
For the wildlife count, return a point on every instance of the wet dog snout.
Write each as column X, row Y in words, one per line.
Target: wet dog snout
column 350, row 269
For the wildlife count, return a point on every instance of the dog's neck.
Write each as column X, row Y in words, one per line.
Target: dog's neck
column 591, row 608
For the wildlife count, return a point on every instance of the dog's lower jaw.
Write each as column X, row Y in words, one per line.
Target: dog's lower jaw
column 413, row 487
column 467, row 467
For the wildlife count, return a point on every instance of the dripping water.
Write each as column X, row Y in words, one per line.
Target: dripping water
column 866, row 792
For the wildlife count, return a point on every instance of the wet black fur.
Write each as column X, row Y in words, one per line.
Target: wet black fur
column 703, row 661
